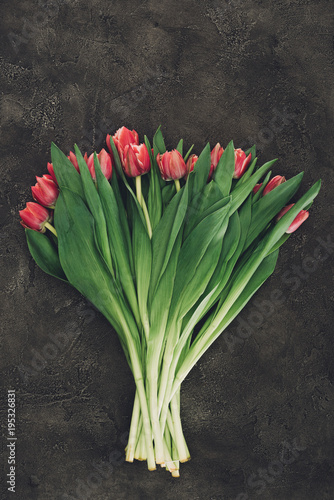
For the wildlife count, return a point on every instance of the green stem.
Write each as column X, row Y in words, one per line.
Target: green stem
column 142, row 203
column 50, row 228
column 152, row 378
column 170, row 426
column 140, row 453
column 165, row 405
column 130, row 451
column 167, row 360
column 138, row 189
column 177, row 185
column 176, row 461
column 170, row 464
column 147, row 218
column 144, row 409
column 168, row 372
column 182, row 449
column 139, row 380
column 168, row 439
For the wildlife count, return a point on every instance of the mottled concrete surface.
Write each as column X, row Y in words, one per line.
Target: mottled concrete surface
column 258, row 71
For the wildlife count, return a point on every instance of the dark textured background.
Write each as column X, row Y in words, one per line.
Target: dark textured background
column 207, row 70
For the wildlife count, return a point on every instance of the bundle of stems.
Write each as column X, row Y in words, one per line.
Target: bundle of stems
column 170, row 264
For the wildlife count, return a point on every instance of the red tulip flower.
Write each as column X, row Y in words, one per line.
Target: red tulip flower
column 74, row 161
column 298, row 220
column 51, row 173
column 191, row 163
column 45, row 191
column 108, row 143
column 274, row 182
column 136, row 160
column 105, row 163
column 256, row 188
column 123, row 137
column 216, row 154
column 34, row 216
column 241, row 163
column 172, row 165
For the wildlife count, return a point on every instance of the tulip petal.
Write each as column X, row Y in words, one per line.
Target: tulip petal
column 298, row 221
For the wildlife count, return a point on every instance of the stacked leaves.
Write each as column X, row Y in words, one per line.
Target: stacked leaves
column 162, row 259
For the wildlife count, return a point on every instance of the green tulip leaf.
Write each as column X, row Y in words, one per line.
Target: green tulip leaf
column 202, row 169
column 158, row 142
column 165, row 235
column 65, row 172
column 154, row 201
column 142, row 251
column 44, row 253
column 80, row 258
column 179, row 147
column 95, row 207
column 258, row 194
column 188, row 153
column 117, row 239
column 224, row 171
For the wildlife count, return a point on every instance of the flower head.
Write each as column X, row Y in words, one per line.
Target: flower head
column 51, row 172
column 241, row 163
column 123, row 137
column 45, row 191
column 191, row 163
column 273, row 183
column 297, row 221
column 172, row 165
column 105, row 163
column 136, row 160
column 34, row 216
column 74, row 161
column 216, row 154
column 257, row 187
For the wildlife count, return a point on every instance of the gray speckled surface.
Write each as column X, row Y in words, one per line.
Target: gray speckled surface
column 211, row 70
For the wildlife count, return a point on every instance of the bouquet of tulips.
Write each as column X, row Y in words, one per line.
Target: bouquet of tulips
column 169, row 247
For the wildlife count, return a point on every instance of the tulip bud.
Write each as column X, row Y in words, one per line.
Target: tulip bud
column 256, row 188
column 45, row 191
column 51, row 172
column 191, row 163
column 123, row 137
column 298, row 220
column 105, row 163
column 108, row 138
column 241, row 163
column 171, row 165
column 136, row 160
column 274, row 182
column 216, row 154
column 34, row 216
column 74, row 161
column 109, row 147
